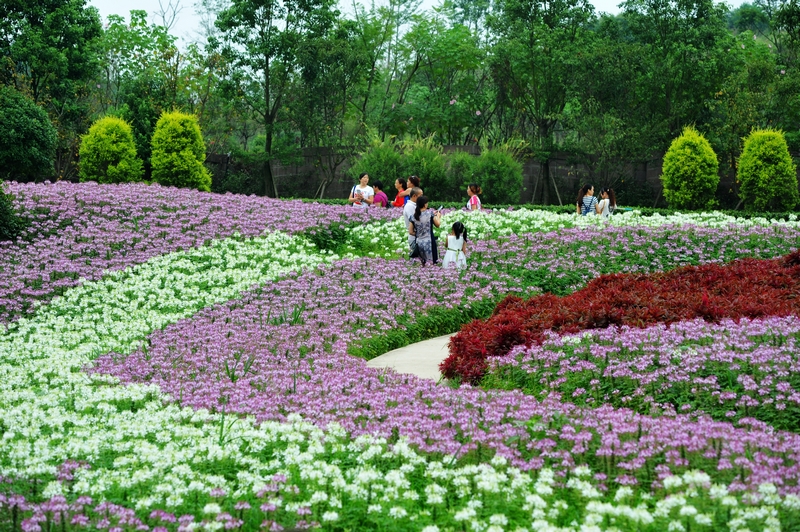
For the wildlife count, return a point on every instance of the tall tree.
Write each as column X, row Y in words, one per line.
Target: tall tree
column 259, row 39
column 535, row 66
column 49, row 49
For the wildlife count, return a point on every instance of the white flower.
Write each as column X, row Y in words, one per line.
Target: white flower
column 498, row 519
column 212, row 509
column 397, row 512
column 330, row 516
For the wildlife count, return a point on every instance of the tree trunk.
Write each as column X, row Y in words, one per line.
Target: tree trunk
column 269, row 188
column 546, row 182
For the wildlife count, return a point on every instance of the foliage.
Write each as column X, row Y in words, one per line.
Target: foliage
column 29, row 138
column 746, row 288
column 690, row 172
column 11, row 224
column 424, row 158
column 108, row 153
column 179, row 152
column 767, row 174
column 382, row 161
column 460, row 171
column 500, row 176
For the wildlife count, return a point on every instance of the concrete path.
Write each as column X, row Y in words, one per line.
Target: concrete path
column 421, row 359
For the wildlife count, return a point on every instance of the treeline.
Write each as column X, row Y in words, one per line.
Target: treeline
column 267, row 78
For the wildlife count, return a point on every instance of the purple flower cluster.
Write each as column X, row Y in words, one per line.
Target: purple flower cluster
column 237, row 357
column 730, row 370
column 81, row 230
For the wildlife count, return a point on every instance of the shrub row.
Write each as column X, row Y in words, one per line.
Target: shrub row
column 745, row 288
column 108, row 153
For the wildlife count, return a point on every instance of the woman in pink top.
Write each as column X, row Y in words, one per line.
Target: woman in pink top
column 474, row 202
column 380, row 198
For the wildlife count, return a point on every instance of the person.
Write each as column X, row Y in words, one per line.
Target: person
column 422, row 224
column 380, row 198
column 474, row 202
column 402, row 196
column 413, row 181
column 408, row 212
column 361, row 194
column 587, row 203
column 608, row 202
column 456, row 255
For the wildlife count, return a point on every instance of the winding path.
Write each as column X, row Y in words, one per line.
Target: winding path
column 421, row 359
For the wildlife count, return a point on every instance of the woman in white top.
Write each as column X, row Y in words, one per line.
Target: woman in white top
column 608, row 202
column 456, row 248
column 361, row 195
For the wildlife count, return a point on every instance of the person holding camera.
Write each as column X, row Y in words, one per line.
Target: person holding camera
column 361, row 195
column 422, row 224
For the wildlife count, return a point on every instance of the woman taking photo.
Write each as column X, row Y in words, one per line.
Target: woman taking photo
column 422, row 228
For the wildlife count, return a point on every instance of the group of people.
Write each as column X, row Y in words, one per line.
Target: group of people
column 588, row 204
column 420, row 218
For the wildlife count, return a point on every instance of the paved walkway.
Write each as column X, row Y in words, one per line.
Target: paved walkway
column 421, row 359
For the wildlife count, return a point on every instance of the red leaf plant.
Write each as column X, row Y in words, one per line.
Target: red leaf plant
column 749, row 288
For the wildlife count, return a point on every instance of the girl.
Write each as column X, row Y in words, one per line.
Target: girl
column 456, row 247
column 413, row 181
column 474, row 202
column 402, row 196
column 587, row 203
column 609, row 202
column 422, row 228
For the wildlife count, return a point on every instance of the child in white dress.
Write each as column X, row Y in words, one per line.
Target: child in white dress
column 456, row 247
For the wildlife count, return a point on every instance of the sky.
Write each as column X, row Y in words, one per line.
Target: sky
column 187, row 24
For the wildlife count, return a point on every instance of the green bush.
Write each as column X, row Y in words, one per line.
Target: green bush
column 460, row 172
column 382, row 161
column 178, row 152
column 690, row 173
column 767, row 175
column 28, row 137
column 108, row 153
column 10, row 222
column 424, row 158
column 499, row 174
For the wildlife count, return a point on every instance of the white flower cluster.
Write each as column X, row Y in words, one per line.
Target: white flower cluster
column 483, row 225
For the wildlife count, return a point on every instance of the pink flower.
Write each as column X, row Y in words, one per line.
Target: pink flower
column 783, row 72
column 452, row 102
column 477, row 113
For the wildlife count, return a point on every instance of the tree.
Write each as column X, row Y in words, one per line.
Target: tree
column 49, row 50
column 108, row 153
column 767, row 174
column 29, row 138
column 535, row 65
column 259, row 39
column 179, row 152
column 690, row 172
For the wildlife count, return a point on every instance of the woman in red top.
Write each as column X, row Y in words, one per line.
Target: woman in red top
column 400, row 199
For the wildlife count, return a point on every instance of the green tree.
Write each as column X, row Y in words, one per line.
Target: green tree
column 535, row 66
column 179, row 152
column 29, row 138
column 381, row 160
column 49, row 49
column 690, row 172
column 767, row 175
column 108, row 153
column 424, row 158
column 499, row 174
column 259, row 39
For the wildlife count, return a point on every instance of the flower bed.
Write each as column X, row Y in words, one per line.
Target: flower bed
column 729, row 370
column 205, row 429
column 80, row 231
column 746, row 288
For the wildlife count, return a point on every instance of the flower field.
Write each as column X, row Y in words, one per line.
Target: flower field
column 177, row 361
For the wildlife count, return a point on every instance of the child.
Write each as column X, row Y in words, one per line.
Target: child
column 456, row 248
column 474, row 202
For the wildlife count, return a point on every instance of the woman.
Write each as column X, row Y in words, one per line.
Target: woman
column 402, row 196
column 380, row 199
column 422, row 229
column 587, row 203
column 361, row 194
column 608, row 202
column 474, row 202
column 413, row 181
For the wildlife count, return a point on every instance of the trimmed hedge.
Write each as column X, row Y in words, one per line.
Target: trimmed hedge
column 179, row 152
column 766, row 173
column 108, row 153
column 690, row 173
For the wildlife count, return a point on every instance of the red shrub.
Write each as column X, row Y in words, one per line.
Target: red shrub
column 747, row 288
